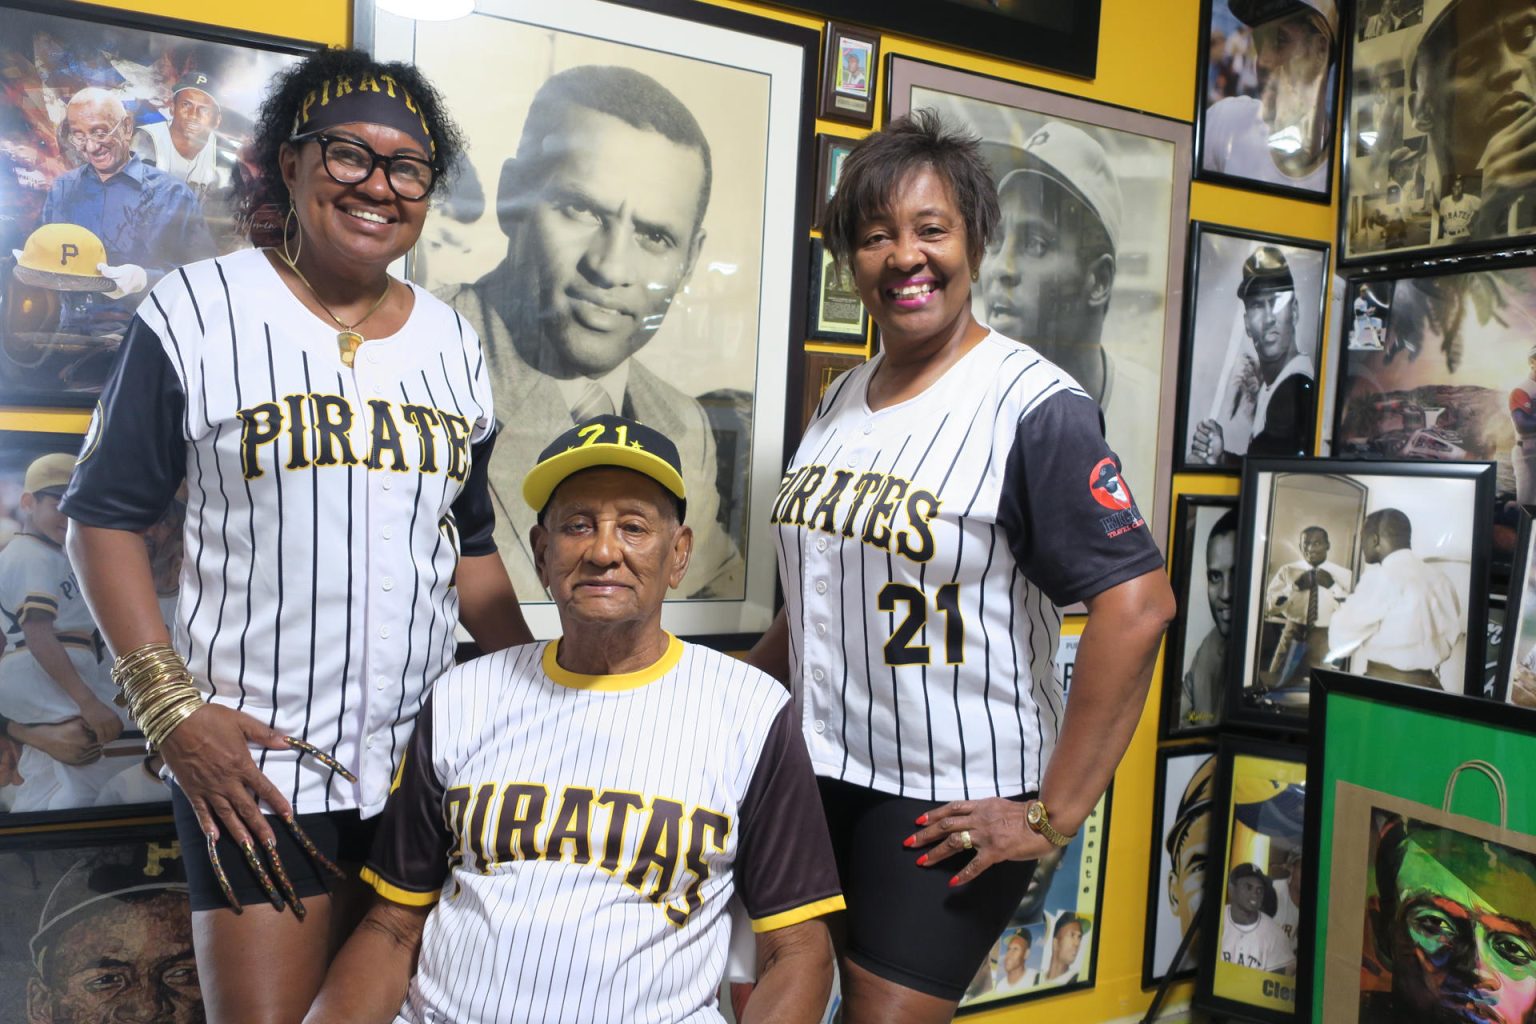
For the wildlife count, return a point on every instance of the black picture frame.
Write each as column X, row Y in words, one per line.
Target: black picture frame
column 1057, row 37
column 847, row 91
column 123, row 756
column 750, row 83
column 831, row 150
column 1337, row 494
column 1519, row 629
column 59, row 333
column 64, row 889
column 1179, row 717
column 1192, row 818
column 1427, row 358
column 1390, row 139
column 1281, row 833
column 831, row 300
column 1210, row 286
column 1207, row 157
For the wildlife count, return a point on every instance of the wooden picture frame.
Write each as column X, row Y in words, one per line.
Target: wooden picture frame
column 850, row 61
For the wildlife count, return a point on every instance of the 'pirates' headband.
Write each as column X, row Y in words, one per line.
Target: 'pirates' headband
column 374, row 99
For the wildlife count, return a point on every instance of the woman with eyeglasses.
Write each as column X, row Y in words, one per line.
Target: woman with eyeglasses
column 333, row 424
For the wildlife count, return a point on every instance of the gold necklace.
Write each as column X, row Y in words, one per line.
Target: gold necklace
column 347, row 339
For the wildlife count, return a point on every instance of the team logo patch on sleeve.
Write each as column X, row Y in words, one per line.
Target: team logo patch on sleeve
column 1109, row 489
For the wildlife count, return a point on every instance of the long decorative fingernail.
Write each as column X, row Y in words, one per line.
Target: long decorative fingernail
column 220, row 876
column 909, row 842
column 922, row 819
column 310, row 848
column 282, row 880
column 261, row 875
column 922, row 861
column 321, row 756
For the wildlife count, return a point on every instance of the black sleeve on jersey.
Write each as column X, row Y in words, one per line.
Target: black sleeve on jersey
column 409, row 862
column 785, row 872
column 473, row 510
column 136, row 453
column 1066, row 541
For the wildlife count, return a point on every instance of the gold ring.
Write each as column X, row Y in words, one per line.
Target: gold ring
column 965, row 839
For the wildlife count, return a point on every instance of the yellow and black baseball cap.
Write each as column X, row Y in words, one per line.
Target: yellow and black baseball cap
column 62, row 258
column 606, row 441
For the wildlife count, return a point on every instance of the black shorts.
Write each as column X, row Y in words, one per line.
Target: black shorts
column 343, row 836
column 904, row 923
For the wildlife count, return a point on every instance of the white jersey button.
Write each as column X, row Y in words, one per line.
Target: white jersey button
column 385, row 483
column 821, row 586
column 821, row 629
column 387, row 532
column 388, row 583
column 817, row 674
column 381, row 682
column 384, row 632
column 869, row 428
column 820, row 727
column 368, row 743
column 821, row 544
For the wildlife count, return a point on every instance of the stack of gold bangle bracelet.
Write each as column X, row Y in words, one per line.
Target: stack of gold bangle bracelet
column 158, row 688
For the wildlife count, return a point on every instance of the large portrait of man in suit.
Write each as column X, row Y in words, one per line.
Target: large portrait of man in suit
column 621, row 239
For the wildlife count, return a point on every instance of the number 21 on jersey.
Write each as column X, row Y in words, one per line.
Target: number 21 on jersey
column 900, row 649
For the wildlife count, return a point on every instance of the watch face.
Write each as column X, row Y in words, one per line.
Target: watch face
column 1036, row 812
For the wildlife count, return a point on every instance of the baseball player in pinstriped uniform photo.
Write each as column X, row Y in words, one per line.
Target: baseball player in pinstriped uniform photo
column 947, row 499
column 333, row 425
column 573, row 816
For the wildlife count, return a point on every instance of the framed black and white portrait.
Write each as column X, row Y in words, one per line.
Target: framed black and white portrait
column 1089, row 256
column 1181, row 848
column 628, row 235
column 1268, row 95
column 1374, row 568
column 1435, row 156
column 1514, row 680
column 120, row 160
column 1204, row 584
column 1252, row 334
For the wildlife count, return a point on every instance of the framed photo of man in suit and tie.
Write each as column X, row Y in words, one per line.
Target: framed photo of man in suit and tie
column 627, row 236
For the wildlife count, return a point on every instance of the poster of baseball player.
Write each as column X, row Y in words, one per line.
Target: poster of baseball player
column 97, row 929
column 1267, row 112
column 624, row 241
column 120, row 140
column 1251, row 341
column 66, row 749
column 1252, row 908
column 1089, row 248
column 1366, row 567
column 1514, row 675
column 1181, row 849
column 1436, row 146
column 1051, row 942
column 1442, row 366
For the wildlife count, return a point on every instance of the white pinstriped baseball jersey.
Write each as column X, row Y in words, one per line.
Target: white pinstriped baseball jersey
column 585, row 834
column 924, row 549
column 316, row 586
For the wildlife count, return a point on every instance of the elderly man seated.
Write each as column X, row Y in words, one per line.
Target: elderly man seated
column 572, row 817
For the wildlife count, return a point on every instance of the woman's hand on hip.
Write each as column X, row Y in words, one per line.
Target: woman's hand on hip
column 995, row 828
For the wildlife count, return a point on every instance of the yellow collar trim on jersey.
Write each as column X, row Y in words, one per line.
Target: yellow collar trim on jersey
column 624, row 681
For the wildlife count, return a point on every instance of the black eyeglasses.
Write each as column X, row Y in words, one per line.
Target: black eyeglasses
column 349, row 162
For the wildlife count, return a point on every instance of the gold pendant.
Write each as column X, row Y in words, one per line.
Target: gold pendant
column 348, row 341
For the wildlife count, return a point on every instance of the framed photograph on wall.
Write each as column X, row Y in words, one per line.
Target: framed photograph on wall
column 1268, row 92
column 1204, row 584
column 1419, row 827
column 81, row 759
column 1378, row 568
column 98, row 926
column 1253, row 329
column 831, row 151
column 1435, row 364
column 98, row 98
column 836, row 312
column 1252, row 910
column 704, row 320
column 1434, row 160
column 1181, row 833
column 821, row 369
column 849, row 63
column 1059, row 37
column 1109, row 316
column 1514, row 681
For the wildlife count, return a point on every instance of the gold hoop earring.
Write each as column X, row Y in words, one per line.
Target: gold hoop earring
column 292, row 259
column 975, row 274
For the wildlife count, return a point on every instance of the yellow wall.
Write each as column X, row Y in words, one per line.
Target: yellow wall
column 1148, row 55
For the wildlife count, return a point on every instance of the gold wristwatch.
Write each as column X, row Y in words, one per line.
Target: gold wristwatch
column 1039, row 821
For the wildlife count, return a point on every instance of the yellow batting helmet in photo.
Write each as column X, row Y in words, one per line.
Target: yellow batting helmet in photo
column 62, row 258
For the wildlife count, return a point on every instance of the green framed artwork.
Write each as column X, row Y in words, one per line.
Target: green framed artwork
column 1430, row 906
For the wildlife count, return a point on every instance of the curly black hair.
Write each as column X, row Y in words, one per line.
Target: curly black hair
column 274, row 125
